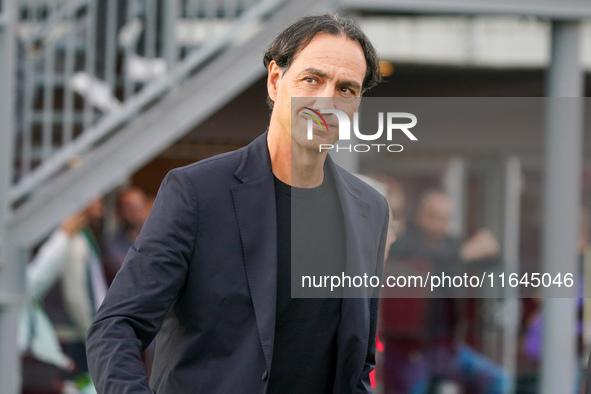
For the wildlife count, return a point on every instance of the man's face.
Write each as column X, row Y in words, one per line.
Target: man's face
column 434, row 217
column 329, row 73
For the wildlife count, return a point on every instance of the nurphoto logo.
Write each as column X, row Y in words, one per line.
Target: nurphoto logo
column 392, row 125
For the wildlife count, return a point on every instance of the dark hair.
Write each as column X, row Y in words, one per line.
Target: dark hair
column 292, row 40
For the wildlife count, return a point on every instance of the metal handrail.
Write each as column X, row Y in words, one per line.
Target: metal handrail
column 67, row 10
column 134, row 105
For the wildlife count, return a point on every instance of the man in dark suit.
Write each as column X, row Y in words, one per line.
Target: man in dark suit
column 209, row 275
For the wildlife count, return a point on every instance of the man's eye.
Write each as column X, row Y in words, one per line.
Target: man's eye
column 310, row 80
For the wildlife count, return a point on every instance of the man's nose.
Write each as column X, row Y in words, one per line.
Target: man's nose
column 329, row 90
column 325, row 102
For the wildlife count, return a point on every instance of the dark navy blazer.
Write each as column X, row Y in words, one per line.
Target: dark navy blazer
column 202, row 278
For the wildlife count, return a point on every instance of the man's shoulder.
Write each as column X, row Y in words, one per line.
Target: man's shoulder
column 224, row 166
column 225, row 162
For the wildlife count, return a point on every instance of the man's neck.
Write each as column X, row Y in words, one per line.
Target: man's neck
column 293, row 164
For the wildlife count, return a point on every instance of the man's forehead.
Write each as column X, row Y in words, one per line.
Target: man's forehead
column 325, row 52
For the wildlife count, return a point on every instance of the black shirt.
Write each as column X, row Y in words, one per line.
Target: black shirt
column 310, row 230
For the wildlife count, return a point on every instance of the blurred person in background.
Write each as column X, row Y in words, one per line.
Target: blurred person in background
column 435, row 351
column 70, row 254
column 45, row 365
column 83, row 282
column 132, row 212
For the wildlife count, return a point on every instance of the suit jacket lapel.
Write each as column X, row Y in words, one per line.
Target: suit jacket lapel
column 254, row 202
column 358, row 231
column 353, row 330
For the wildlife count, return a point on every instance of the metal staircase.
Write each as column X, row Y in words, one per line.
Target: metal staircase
column 108, row 85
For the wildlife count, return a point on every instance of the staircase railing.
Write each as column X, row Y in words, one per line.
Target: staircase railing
column 88, row 67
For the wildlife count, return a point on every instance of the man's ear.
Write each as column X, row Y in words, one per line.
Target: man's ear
column 273, row 76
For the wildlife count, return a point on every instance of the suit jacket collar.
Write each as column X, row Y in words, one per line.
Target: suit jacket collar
column 256, row 161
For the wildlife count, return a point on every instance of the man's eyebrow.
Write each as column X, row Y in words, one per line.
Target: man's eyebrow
column 351, row 84
column 315, row 71
column 322, row 74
